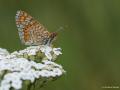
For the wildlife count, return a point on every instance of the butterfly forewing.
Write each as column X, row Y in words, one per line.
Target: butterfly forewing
column 31, row 32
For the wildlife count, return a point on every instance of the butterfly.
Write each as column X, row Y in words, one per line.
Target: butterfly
column 31, row 32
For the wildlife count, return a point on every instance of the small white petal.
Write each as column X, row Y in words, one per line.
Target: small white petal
column 5, row 87
column 32, row 52
column 47, row 50
column 3, row 52
column 17, row 84
column 57, row 71
column 48, row 55
column 57, row 51
column 44, row 73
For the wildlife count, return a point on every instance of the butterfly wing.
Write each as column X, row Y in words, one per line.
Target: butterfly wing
column 31, row 32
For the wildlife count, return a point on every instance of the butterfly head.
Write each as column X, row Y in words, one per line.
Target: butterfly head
column 53, row 35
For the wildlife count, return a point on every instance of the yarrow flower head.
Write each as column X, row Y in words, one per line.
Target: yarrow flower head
column 30, row 64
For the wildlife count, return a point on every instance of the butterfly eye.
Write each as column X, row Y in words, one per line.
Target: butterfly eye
column 54, row 34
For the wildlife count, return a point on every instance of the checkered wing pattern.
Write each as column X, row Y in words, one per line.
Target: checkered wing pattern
column 31, row 32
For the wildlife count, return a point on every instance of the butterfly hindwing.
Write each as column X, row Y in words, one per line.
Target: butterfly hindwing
column 31, row 32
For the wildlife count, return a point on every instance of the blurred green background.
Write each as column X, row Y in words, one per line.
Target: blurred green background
column 90, row 41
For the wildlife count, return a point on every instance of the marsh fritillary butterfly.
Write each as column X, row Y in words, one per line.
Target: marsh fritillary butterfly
column 31, row 32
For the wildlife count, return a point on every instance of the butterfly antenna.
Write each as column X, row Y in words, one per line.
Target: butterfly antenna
column 61, row 28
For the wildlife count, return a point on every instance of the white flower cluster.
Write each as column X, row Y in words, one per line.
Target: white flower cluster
column 47, row 50
column 14, row 70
